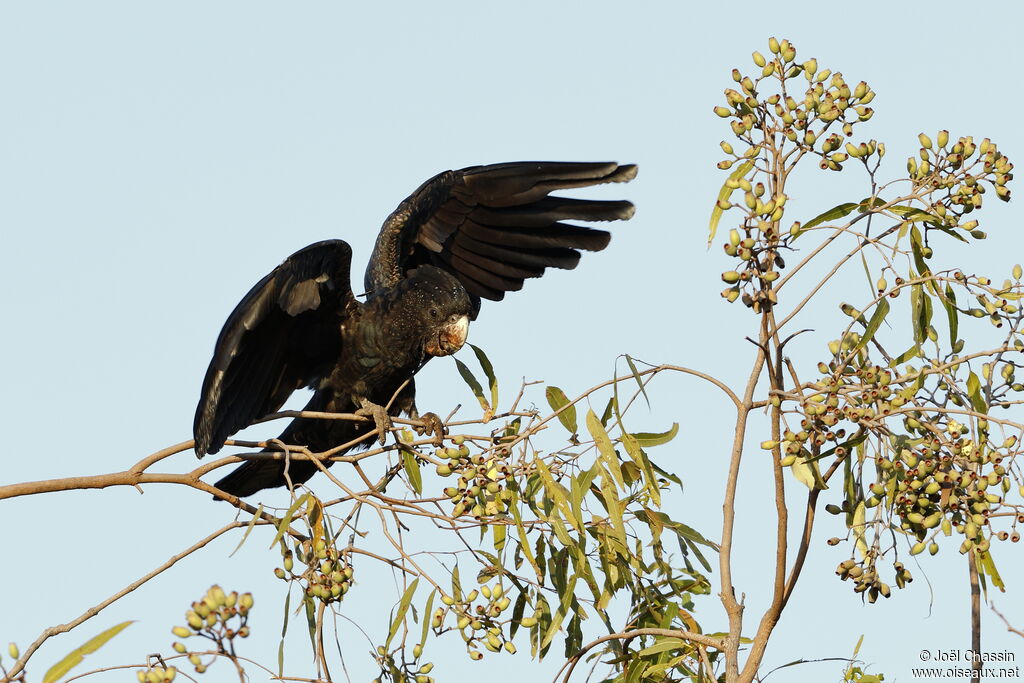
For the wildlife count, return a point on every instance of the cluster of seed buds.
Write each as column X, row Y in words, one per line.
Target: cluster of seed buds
column 481, row 490
column 778, row 119
column 327, row 575
column 157, row 674
column 478, row 623
column 995, row 303
column 859, row 395
column 759, row 261
column 403, row 672
column 941, row 484
column 828, row 99
column 214, row 617
column 955, row 169
column 865, row 575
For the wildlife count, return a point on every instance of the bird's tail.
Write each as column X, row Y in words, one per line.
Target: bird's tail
column 256, row 475
column 316, row 435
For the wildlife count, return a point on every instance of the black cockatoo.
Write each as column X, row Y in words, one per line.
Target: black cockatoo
column 460, row 237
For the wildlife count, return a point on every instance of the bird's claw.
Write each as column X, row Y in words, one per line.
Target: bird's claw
column 432, row 425
column 380, row 416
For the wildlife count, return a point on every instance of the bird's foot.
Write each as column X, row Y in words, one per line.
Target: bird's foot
column 380, row 416
column 432, row 425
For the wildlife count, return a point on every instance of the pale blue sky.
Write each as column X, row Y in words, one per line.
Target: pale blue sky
column 157, row 159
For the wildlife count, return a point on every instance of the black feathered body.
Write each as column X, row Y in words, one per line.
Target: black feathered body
column 384, row 343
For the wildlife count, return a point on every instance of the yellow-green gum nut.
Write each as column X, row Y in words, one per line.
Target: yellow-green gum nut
column 925, row 141
column 759, row 58
column 942, row 138
column 181, row 632
column 179, row 647
column 141, row 675
column 246, row 600
column 448, row 600
column 463, row 622
column 486, row 590
column 194, row 620
column 528, row 622
column 476, row 655
column 417, row 650
column 917, row 549
column 730, row 276
column 194, row 659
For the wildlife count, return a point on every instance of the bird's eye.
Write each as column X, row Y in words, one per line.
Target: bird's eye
column 433, row 313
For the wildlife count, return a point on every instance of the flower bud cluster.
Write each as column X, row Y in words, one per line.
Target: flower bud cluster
column 217, row 616
column 327, row 575
column 480, row 490
column 479, row 623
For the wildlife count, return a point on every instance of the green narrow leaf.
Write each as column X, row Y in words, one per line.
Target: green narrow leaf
column 640, row 458
column 499, row 532
column 867, row 273
column 881, row 310
column 909, row 213
column 558, row 400
column 952, row 315
column 917, row 313
column 403, row 607
column 286, row 521
column 492, row 381
column 661, row 645
column 75, row 657
column 858, row 528
column 557, row 493
column 456, row 585
column 248, row 528
column 412, row 468
column 427, row 617
column 723, row 195
column 614, row 506
column 560, row 613
column 474, row 385
column 807, row 473
column 605, row 448
column 974, row 393
column 680, row 529
column 988, row 566
column 524, row 542
column 913, row 352
column 840, row 211
column 648, row 439
column 284, row 631
column 636, row 376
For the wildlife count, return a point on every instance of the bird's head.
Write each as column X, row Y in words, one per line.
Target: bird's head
column 439, row 308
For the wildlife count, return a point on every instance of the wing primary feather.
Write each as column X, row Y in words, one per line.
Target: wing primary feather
column 551, row 210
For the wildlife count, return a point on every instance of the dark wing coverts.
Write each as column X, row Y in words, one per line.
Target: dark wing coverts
column 284, row 334
column 494, row 226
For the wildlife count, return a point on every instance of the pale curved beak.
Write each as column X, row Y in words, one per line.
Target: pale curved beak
column 450, row 339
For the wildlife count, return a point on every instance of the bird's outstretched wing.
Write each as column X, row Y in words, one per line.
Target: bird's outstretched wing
column 284, row 334
column 494, row 226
